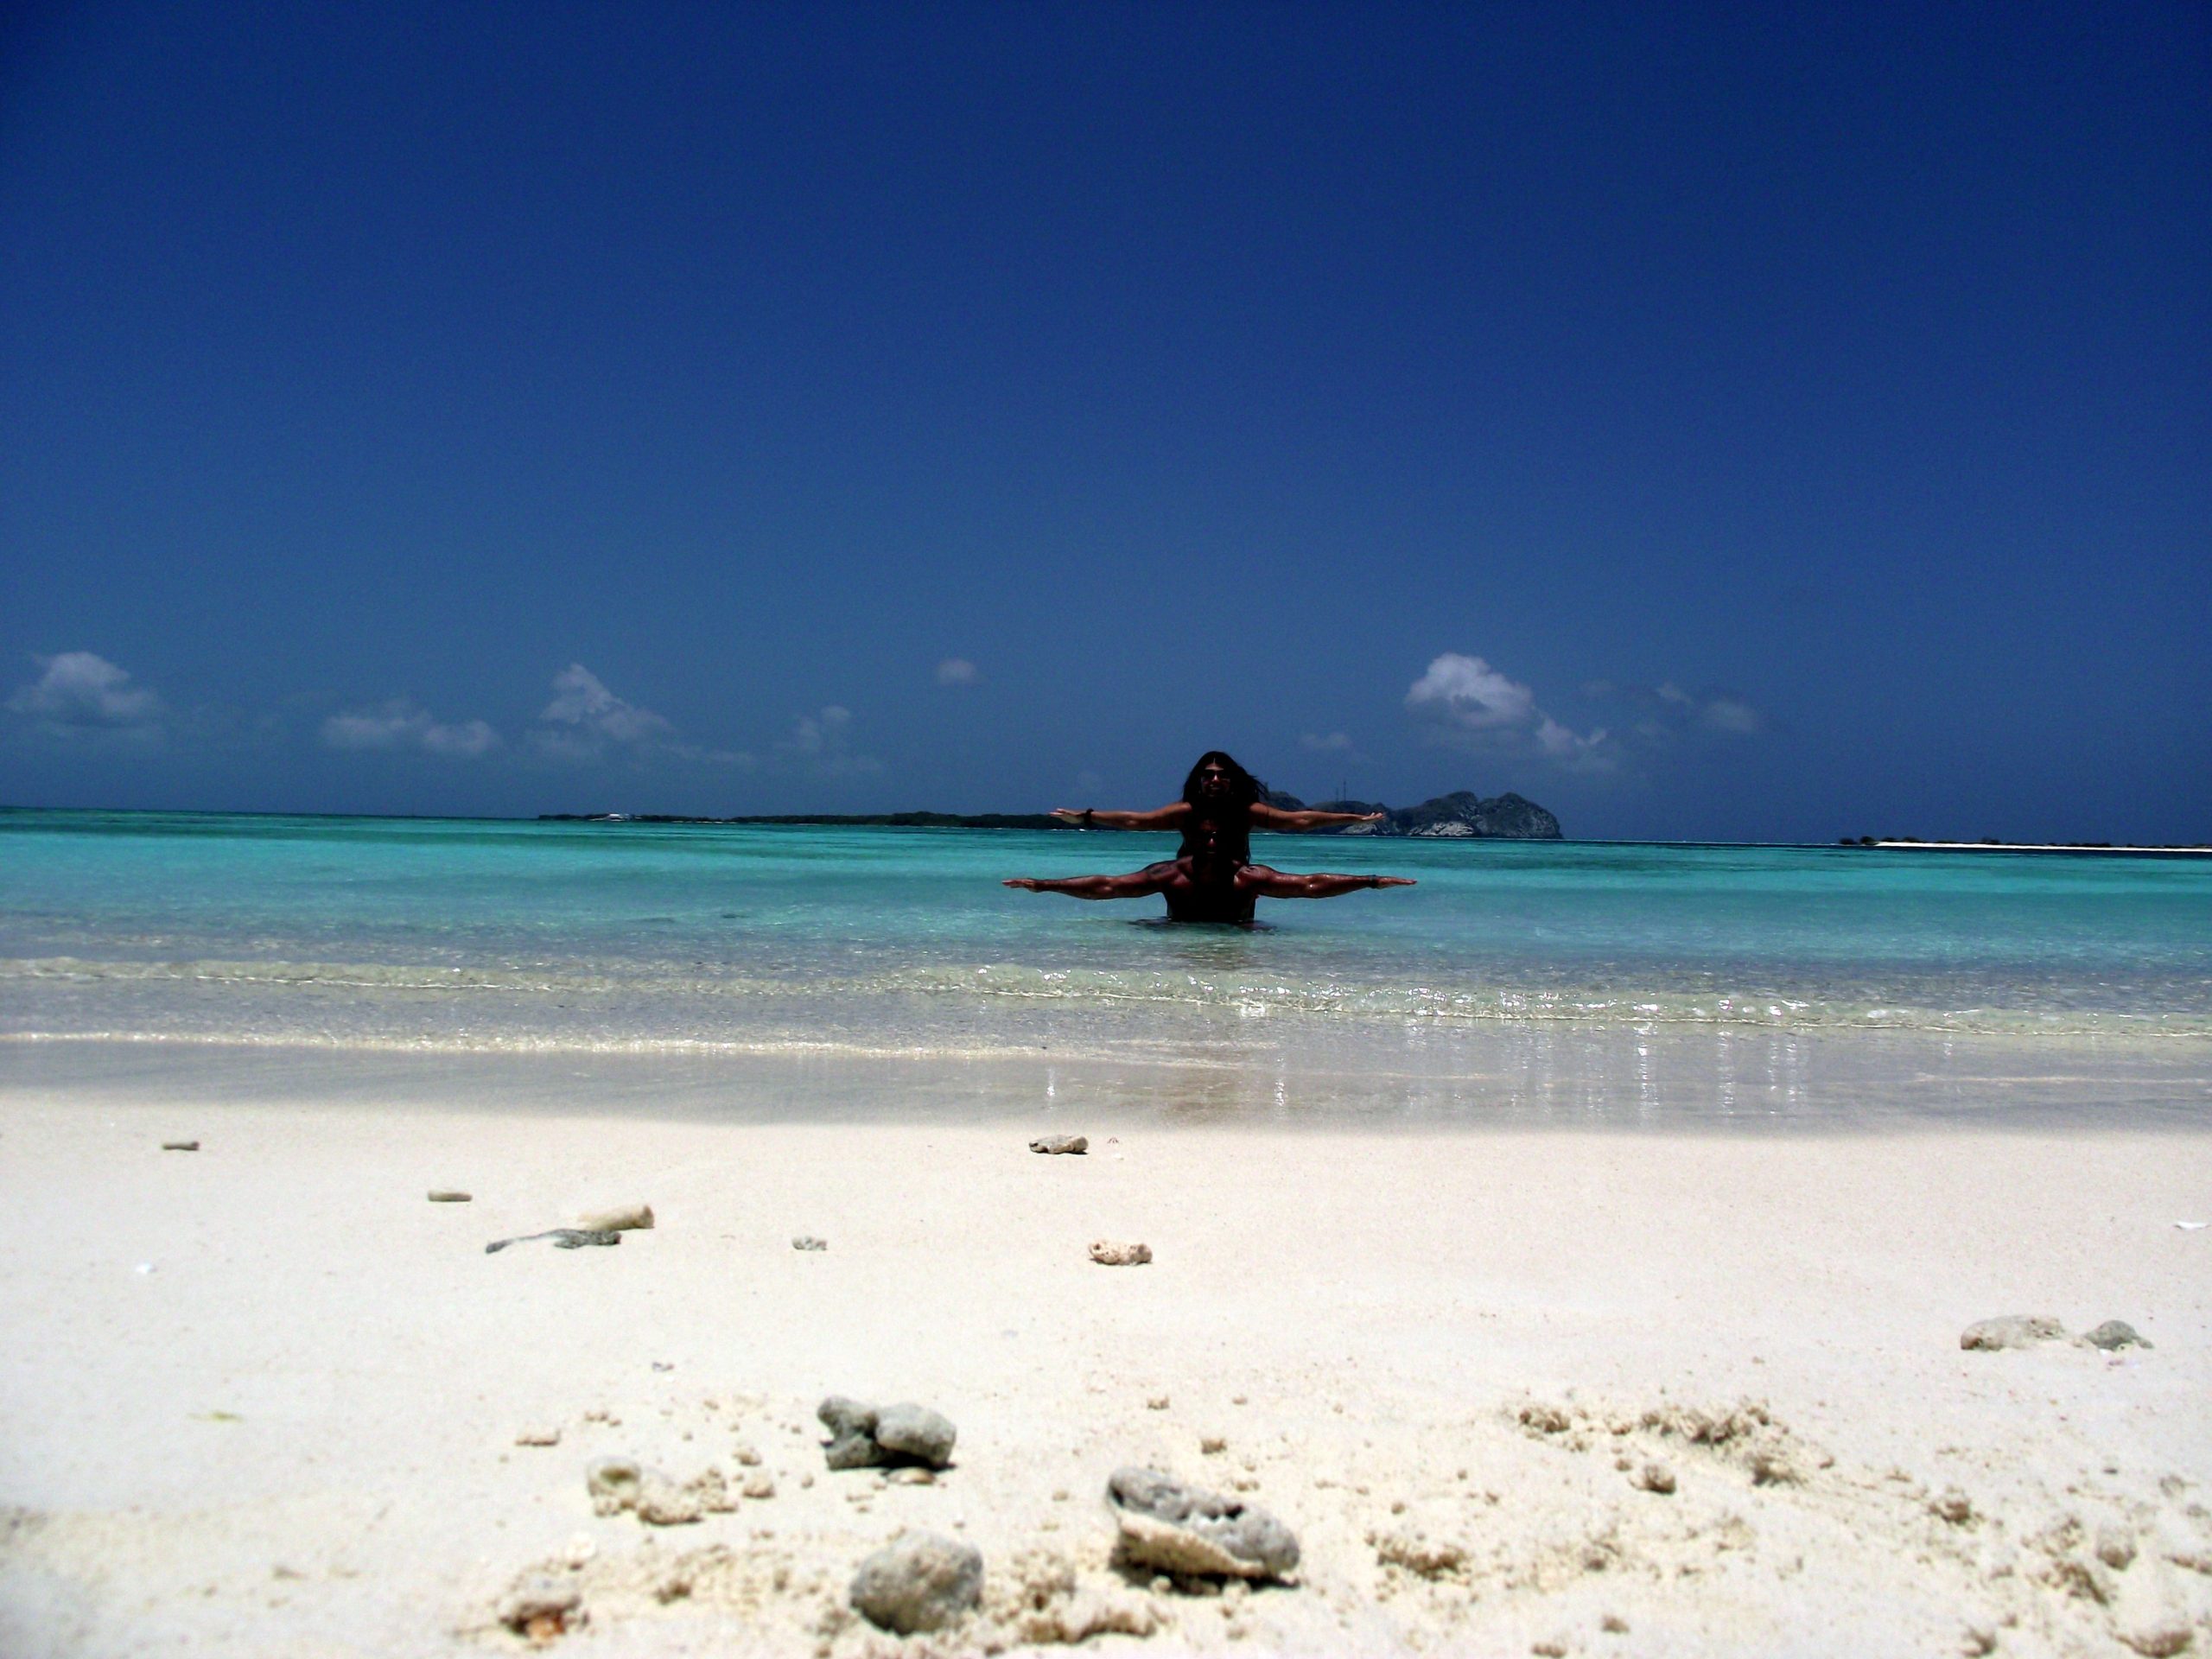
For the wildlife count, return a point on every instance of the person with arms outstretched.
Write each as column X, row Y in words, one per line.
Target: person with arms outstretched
column 1219, row 790
column 1212, row 877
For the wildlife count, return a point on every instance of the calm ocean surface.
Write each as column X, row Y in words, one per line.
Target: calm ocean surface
column 461, row 936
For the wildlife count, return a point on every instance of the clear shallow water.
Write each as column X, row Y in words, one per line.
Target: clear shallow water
column 477, row 936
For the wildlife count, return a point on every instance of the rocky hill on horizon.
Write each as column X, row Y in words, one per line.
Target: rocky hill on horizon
column 1462, row 815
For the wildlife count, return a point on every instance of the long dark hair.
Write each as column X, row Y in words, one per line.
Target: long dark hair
column 1236, row 826
column 1244, row 788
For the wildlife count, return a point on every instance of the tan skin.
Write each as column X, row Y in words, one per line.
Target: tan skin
column 1213, row 783
column 1206, row 884
column 1180, row 876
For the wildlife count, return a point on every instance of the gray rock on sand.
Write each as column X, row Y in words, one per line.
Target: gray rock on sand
column 2012, row 1331
column 919, row 1582
column 1109, row 1254
column 542, row 1608
column 1060, row 1145
column 564, row 1238
column 1176, row 1528
column 179, row 1146
column 809, row 1241
column 448, row 1195
column 628, row 1218
column 2114, row 1334
column 863, row 1437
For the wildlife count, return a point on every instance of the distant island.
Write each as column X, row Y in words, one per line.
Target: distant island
column 1460, row 816
column 1991, row 844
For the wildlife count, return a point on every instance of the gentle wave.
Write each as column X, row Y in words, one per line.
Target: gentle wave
column 1336, row 998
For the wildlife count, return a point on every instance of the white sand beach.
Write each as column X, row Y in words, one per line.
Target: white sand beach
column 265, row 1398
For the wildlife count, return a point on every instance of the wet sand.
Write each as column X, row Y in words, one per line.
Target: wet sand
column 265, row 1398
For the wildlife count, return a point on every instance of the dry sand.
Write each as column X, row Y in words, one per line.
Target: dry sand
column 265, row 1398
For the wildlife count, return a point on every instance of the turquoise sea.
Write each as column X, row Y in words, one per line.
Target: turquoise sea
column 1550, row 976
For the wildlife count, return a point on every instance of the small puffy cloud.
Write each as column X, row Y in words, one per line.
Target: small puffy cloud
column 1466, row 703
column 822, row 743
column 582, row 701
column 1733, row 715
column 958, row 670
column 1667, row 711
column 585, row 722
column 1324, row 742
column 1468, row 693
column 403, row 724
column 80, row 692
column 1575, row 750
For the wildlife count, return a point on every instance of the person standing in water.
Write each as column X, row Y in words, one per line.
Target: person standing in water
column 1212, row 877
column 1220, row 792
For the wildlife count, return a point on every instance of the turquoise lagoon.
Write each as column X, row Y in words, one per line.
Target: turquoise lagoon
column 1596, row 982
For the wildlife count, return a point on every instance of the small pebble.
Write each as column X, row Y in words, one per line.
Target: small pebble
column 1109, row 1254
column 446, row 1195
column 809, row 1241
column 179, row 1146
column 1952, row 1505
column 539, row 1434
column 627, row 1218
column 2114, row 1334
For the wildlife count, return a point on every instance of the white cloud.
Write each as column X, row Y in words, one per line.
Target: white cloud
column 586, row 722
column 958, row 670
column 1667, row 711
column 1573, row 749
column 78, row 691
column 1468, row 704
column 822, row 743
column 403, row 724
column 582, row 700
column 1733, row 715
column 1468, row 693
column 1328, row 743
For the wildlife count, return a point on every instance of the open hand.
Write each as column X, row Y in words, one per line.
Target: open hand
column 1394, row 881
column 1068, row 814
column 1026, row 883
column 1371, row 817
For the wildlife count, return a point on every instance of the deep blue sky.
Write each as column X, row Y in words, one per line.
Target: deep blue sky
column 1815, row 401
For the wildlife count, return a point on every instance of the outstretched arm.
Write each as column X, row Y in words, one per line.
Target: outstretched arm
column 1274, row 817
column 1278, row 884
column 1137, row 884
column 1170, row 816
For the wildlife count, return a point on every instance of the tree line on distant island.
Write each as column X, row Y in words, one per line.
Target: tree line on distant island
column 1460, row 816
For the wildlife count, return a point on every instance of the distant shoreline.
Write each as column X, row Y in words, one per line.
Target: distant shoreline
column 2091, row 847
column 890, row 820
